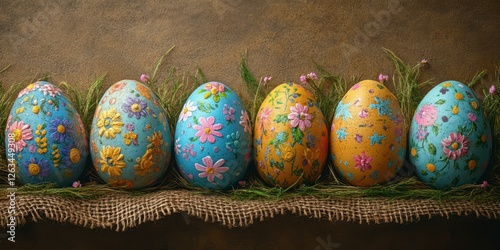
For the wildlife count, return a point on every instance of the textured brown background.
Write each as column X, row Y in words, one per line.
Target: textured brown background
column 76, row 41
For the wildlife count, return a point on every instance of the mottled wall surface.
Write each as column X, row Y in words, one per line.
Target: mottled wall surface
column 76, row 41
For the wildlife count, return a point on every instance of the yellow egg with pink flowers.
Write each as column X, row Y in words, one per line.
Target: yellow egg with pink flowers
column 290, row 137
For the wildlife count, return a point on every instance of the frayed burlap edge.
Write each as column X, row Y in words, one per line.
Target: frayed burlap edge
column 122, row 212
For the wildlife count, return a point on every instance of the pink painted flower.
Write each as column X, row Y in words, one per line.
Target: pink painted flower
column 144, row 78
column 245, row 121
column 214, row 87
column 383, row 78
column 21, row 133
column 228, row 113
column 187, row 110
column 188, row 151
column 208, row 129
column 427, row 115
column 264, row 116
column 48, row 89
column 117, row 87
column 28, row 89
column 492, row 89
column 355, row 86
column 485, row 184
column 32, row 148
column 211, row 170
column 177, row 146
column 363, row 162
column 299, row 117
column 363, row 113
column 472, row 117
column 455, row 146
column 77, row 184
column 303, row 79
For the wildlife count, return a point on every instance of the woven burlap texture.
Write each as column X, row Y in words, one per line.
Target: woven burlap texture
column 122, row 211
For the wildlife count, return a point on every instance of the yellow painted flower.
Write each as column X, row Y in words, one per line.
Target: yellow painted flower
column 474, row 105
column 35, row 109
column 129, row 137
column 110, row 123
column 311, row 155
column 111, row 160
column 471, row 164
column 455, row 110
column 459, row 96
column 34, row 169
column 483, row 138
column 19, row 110
column 144, row 164
column 447, row 84
column 143, row 91
column 286, row 152
column 413, row 152
column 155, row 141
column 56, row 156
column 74, row 155
column 430, row 167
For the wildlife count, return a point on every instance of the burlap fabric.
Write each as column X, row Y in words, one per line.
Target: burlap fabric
column 122, row 211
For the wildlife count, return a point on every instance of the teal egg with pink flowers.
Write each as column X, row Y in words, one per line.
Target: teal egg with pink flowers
column 45, row 138
column 450, row 141
column 213, row 138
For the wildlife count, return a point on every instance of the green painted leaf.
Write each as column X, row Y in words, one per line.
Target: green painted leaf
column 455, row 180
column 193, row 139
column 207, row 95
column 432, row 149
column 216, row 98
column 435, row 129
column 281, row 118
column 440, row 102
column 223, row 94
column 297, row 135
column 455, row 165
column 423, row 172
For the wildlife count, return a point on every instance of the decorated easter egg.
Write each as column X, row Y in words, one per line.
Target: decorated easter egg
column 45, row 137
column 368, row 135
column 291, row 137
column 213, row 138
column 130, row 137
column 450, row 139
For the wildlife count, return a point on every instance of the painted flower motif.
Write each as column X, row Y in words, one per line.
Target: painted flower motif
column 343, row 111
column 459, row 96
column 211, row 170
column 188, row 151
column 187, row 110
column 264, row 116
column 245, row 122
column 413, row 152
column 447, row 84
column 214, row 87
column 135, row 107
column 286, row 152
column 22, row 133
column 455, row 110
column 455, row 146
column 60, row 130
column 228, row 113
column 311, row 155
column 177, row 146
column 144, row 164
column 129, row 138
column 472, row 117
column 32, row 148
column 363, row 162
column 300, row 117
column 70, row 154
column 421, row 134
column 143, row 90
column 341, row 134
column 48, row 89
column 155, row 142
column 427, row 115
column 109, row 123
column 111, row 160
column 363, row 113
column 382, row 106
column 430, row 167
column 473, row 105
column 444, row 118
column 358, row 138
column 29, row 88
column 130, row 127
column 376, row 138
column 37, row 168
column 208, row 129
column 117, row 87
